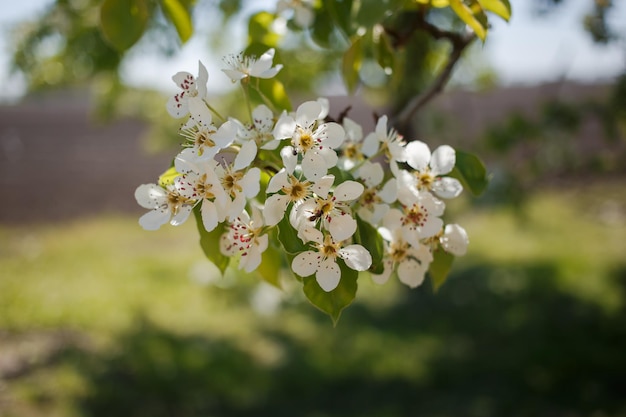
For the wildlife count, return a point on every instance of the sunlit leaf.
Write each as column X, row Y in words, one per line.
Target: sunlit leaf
column 368, row 237
column 123, row 22
column 371, row 12
column 340, row 11
column 501, row 8
column 273, row 94
column 333, row 302
column 471, row 171
column 288, row 237
column 168, row 177
column 352, row 60
column 383, row 52
column 271, row 264
column 210, row 242
column 440, row 267
column 471, row 16
column 260, row 29
column 179, row 15
column 435, row 3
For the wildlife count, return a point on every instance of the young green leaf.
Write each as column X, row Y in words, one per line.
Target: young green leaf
column 368, row 237
column 352, row 60
column 288, row 237
column 473, row 16
column 210, row 242
column 440, row 267
column 271, row 264
column 471, row 171
column 501, row 8
column 123, row 22
column 333, row 302
column 179, row 15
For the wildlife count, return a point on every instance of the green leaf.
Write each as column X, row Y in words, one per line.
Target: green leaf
column 123, row 22
column 288, row 237
column 471, row 171
column 179, row 15
column 210, row 242
column 472, row 16
column 352, row 60
column 368, row 237
column 440, row 267
column 501, row 8
column 322, row 29
column 371, row 12
column 383, row 52
column 168, row 177
column 271, row 264
column 333, row 302
column 341, row 14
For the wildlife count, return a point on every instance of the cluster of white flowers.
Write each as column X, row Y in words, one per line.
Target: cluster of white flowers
column 321, row 179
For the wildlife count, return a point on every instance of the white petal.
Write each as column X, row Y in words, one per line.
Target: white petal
column 227, row 248
column 311, row 234
column 393, row 219
column 290, row 160
column 251, row 182
column 246, row 155
column 154, row 219
column 455, row 240
column 226, row 134
column 285, row 126
column 177, row 106
column 306, row 263
column 181, row 216
column 330, row 157
column 381, row 127
column 417, row 155
column 389, row 192
column 271, row 73
column 199, row 111
column 384, row 277
column 411, row 273
column 432, row 226
column 308, row 113
column 263, row 63
column 341, row 227
column 313, row 165
column 354, row 131
column 370, row 145
column 379, row 212
column 322, row 186
column 234, row 75
column 324, row 103
column 328, row 274
column 187, row 161
column 263, row 118
column 180, row 79
column 371, row 173
column 274, row 209
column 150, row 196
column 203, row 77
column 277, row 182
column 236, row 206
column 443, row 160
column 447, row 187
column 209, row 215
column 356, row 257
column 332, row 133
column 348, row 191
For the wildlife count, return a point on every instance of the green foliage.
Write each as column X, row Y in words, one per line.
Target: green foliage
column 178, row 14
column 210, row 242
column 368, row 237
column 440, row 268
column 123, row 22
column 333, row 302
column 352, row 61
column 471, row 171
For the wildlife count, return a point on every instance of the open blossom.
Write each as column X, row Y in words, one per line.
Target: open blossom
column 351, row 147
column 239, row 181
column 333, row 211
column 386, row 141
column 243, row 66
column 245, row 237
column 419, row 217
column 205, row 139
column 287, row 189
column 177, row 105
column 310, row 137
column 165, row 204
column 409, row 262
column 260, row 131
column 204, row 186
column 322, row 260
column 376, row 198
column 430, row 168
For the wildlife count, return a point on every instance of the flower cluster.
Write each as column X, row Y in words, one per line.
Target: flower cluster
column 319, row 191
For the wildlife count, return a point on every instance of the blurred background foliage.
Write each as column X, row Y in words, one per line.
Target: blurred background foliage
column 98, row 318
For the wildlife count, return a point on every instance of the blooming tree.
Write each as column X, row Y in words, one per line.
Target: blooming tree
column 306, row 190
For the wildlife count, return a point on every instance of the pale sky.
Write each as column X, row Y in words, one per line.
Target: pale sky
column 526, row 50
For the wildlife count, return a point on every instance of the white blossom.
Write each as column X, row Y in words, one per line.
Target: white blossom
column 419, row 217
column 322, row 260
column 243, row 66
column 430, row 168
column 351, row 153
column 177, row 105
column 376, row 198
column 389, row 142
column 245, row 237
column 311, row 138
column 165, row 204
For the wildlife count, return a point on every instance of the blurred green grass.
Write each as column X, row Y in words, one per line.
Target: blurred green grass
column 128, row 322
